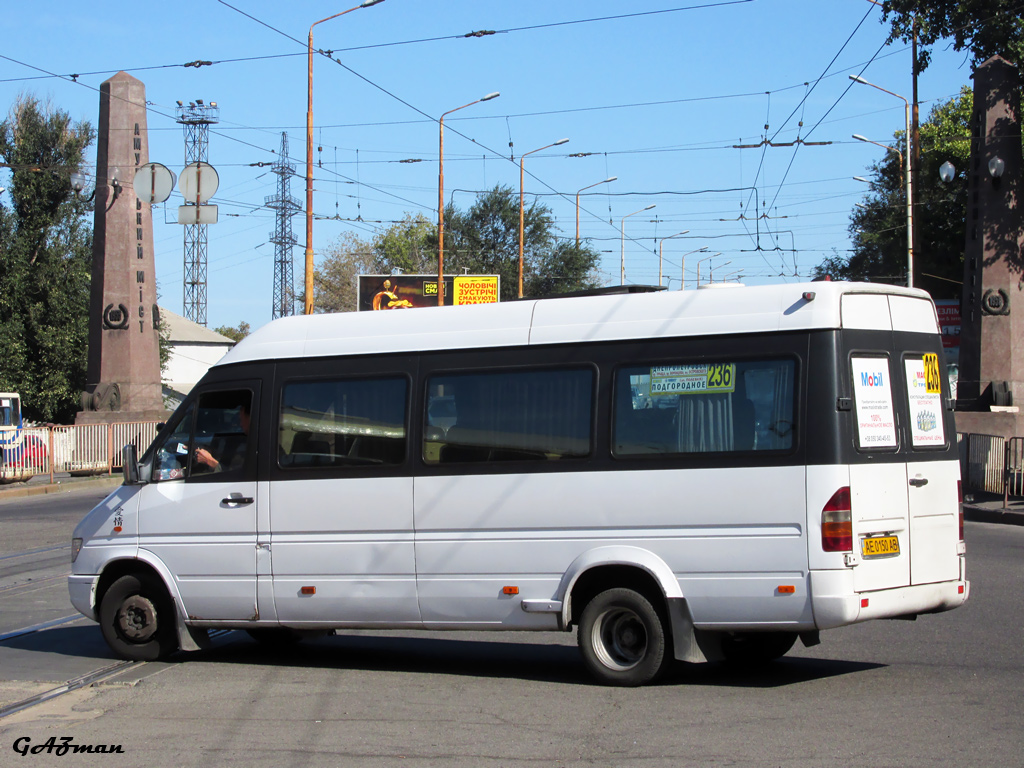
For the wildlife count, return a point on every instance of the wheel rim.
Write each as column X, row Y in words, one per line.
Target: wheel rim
column 136, row 620
column 620, row 639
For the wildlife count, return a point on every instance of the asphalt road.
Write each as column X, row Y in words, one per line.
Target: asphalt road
column 947, row 689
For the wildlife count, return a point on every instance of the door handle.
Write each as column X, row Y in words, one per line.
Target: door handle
column 919, row 482
column 237, row 500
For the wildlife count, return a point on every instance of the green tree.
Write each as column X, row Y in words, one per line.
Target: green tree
column 236, row 334
column 45, row 261
column 878, row 225
column 485, row 240
column 335, row 279
column 406, row 246
column 985, row 28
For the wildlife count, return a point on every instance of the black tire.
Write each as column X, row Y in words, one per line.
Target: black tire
column 137, row 618
column 754, row 648
column 623, row 638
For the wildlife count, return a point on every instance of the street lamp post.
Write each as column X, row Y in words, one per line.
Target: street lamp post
column 682, row 266
column 622, row 232
column 907, row 173
column 701, row 261
column 661, row 249
column 610, row 178
column 521, row 216
column 309, row 154
column 711, row 271
column 440, row 197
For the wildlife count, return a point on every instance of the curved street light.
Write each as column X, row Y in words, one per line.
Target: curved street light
column 610, row 178
column 682, row 266
column 521, row 158
column 701, row 261
column 622, row 231
column 907, row 172
column 440, row 196
column 661, row 248
column 309, row 153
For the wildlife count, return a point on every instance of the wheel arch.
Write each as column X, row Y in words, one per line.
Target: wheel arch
column 616, row 566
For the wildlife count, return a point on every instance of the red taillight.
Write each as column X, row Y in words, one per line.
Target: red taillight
column 837, row 523
column 960, row 499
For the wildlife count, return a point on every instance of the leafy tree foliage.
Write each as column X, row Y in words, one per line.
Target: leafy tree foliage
column 483, row 240
column 406, row 246
column 879, row 225
column 985, row 28
column 45, row 261
column 335, row 280
column 237, row 334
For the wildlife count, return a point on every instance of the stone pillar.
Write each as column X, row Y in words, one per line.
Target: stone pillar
column 992, row 308
column 124, row 360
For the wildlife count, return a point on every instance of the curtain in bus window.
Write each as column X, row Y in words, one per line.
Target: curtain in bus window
column 337, row 422
column 704, row 408
column 508, row 416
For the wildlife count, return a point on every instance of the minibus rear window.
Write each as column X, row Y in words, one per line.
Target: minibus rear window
column 687, row 408
column 343, row 422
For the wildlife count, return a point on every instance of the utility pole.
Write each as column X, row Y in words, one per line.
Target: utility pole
column 282, row 237
column 196, row 119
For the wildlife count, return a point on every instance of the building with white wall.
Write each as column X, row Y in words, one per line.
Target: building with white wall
column 194, row 348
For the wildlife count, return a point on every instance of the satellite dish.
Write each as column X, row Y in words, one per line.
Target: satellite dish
column 153, row 183
column 198, row 182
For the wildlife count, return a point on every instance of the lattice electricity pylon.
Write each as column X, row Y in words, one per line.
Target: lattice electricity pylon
column 196, row 119
column 286, row 206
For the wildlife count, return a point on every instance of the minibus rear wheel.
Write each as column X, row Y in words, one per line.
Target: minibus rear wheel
column 137, row 618
column 623, row 638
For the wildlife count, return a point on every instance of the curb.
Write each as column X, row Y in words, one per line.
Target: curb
column 63, row 486
column 994, row 514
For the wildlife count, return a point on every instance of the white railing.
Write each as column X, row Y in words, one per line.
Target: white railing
column 80, row 449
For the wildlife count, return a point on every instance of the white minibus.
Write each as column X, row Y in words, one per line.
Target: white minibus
column 696, row 475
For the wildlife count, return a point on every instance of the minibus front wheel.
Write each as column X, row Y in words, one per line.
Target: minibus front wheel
column 137, row 618
column 623, row 638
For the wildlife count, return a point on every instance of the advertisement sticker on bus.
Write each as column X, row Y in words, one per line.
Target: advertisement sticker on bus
column 876, row 422
column 925, row 402
column 693, row 379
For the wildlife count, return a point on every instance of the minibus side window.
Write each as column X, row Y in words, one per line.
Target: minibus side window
column 688, row 408
column 210, row 437
column 508, row 416
column 171, row 461
column 342, row 422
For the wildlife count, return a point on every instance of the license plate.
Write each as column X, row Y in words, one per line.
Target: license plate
column 880, row 546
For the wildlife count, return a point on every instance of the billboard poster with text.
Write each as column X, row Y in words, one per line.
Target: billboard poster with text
column 379, row 292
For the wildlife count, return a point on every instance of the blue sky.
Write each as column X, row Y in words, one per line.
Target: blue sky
column 657, row 96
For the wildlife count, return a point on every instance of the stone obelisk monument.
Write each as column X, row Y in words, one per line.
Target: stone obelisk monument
column 990, row 390
column 124, row 360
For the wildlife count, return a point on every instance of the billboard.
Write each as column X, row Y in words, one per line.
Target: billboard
column 378, row 292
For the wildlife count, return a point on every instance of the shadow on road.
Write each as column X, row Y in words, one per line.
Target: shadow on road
column 524, row 660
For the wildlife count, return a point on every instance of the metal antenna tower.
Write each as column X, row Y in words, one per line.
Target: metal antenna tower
column 196, row 119
column 286, row 206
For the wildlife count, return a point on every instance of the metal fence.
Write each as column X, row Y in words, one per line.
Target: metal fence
column 81, row 449
column 992, row 464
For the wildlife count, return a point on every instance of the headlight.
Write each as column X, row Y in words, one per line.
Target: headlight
column 76, row 547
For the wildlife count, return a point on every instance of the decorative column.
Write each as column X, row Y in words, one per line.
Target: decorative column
column 124, row 360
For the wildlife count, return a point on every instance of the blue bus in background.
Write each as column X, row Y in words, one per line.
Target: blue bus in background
column 21, row 455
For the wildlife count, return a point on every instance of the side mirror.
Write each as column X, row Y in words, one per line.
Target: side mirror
column 130, row 465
